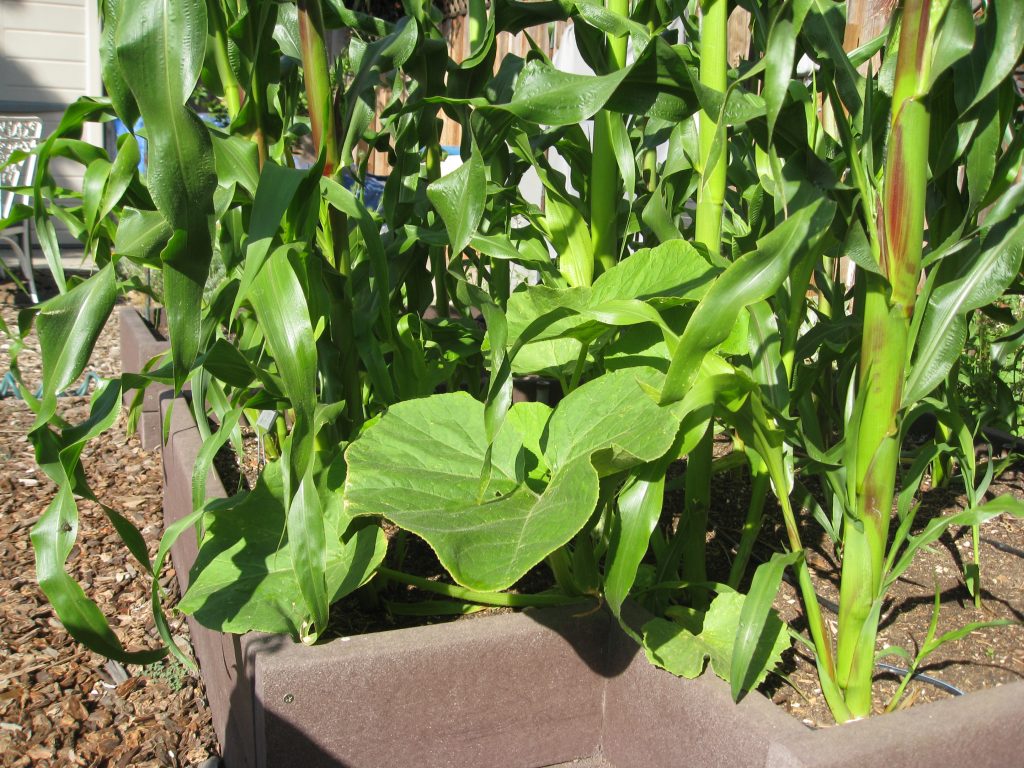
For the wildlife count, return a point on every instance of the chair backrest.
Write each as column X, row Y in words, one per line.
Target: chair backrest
column 16, row 133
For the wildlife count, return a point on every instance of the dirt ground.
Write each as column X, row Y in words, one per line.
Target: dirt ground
column 985, row 658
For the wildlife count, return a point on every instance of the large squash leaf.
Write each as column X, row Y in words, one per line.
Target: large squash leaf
column 422, row 467
column 244, row 578
column 684, row 646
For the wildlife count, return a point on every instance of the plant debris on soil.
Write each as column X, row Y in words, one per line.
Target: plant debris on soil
column 60, row 704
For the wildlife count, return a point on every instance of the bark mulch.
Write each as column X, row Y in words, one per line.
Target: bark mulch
column 61, row 705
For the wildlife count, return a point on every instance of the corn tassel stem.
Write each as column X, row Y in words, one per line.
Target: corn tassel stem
column 232, row 90
column 438, row 262
column 714, row 53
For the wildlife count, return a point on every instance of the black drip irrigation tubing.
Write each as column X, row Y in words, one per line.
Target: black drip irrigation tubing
column 9, row 387
column 920, row 676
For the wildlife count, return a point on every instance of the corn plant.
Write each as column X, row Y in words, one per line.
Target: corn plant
column 922, row 264
column 311, row 312
column 660, row 326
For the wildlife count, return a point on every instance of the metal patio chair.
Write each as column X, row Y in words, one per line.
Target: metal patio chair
column 18, row 133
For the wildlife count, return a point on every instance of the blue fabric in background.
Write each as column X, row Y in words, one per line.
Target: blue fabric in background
column 373, row 189
column 120, row 129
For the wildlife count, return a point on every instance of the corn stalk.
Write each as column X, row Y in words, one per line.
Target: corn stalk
column 605, row 180
column 888, row 310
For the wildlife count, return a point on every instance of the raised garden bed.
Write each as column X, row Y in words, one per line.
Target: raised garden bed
column 140, row 342
column 531, row 689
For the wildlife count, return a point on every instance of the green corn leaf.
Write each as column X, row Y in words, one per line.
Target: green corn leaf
column 766, row 355
column 955, row 39
column 383, row 55
column 937, row 526
column 275, row 191
column 226, row 362
column 637, row 512
column 944, row 327
column 460, row 197
column 623, row 154
column 780, row 57
column 1000, row 46
column 141, row 236
column 354, row 20
column 962, row 632
column 611, row 23
column 307, row 536
column 983, row 150
column 237, row 162
column 752, row 278
column 204, row 460
column 823, row 28
column 93, row 183
column 750, row 653
column 571, row 237
column 68, row 326
column 113, row 80
column 53, row 536
column 75, row 115
column 286, row 31
column 120, row 177
column 161, row 45
column 281, row 308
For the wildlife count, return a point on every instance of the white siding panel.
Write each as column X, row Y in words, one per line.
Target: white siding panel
column 47, row 61
column 34, row 46
column 43, row 51
column 50, row 82
column 41, row 16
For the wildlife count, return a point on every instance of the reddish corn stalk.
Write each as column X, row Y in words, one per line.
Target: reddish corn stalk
column 318, row 82
column 888, row 309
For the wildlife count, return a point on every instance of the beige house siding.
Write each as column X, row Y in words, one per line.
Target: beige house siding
column 48, row 59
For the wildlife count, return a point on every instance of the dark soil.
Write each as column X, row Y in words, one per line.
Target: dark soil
column 985, row 658
column 61, row 705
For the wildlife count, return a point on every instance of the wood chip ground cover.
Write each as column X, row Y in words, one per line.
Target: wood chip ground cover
column 59, row 704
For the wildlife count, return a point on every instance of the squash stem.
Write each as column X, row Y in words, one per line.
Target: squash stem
column 505, row 599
